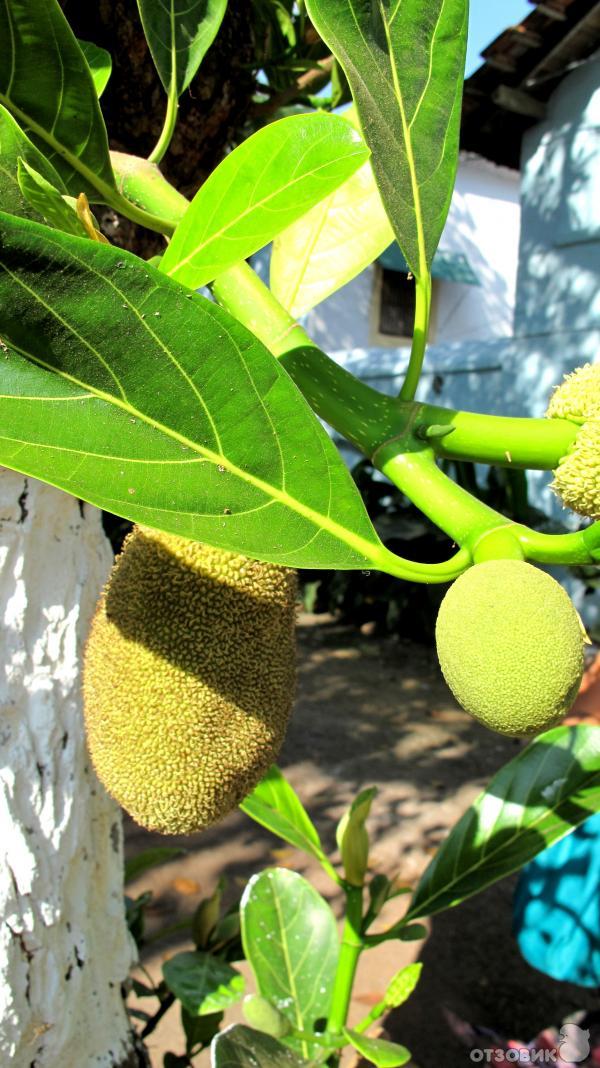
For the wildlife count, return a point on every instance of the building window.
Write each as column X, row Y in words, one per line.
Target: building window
column 396, row 304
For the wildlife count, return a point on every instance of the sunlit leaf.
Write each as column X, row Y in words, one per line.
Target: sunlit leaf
column 276, row 806
column 290, row 939
column 48, row 87
column 378, row 1051
column 332, row 243
column 179, row 34
column 404, row 60
column 541, row 795
column 261, row 187
column 99, row 62
column 121, row 387
column 203, row 983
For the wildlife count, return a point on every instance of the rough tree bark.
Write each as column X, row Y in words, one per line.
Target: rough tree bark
column 212, row 112
column 64, row 946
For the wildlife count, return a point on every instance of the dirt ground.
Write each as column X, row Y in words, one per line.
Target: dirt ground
column 372, row 712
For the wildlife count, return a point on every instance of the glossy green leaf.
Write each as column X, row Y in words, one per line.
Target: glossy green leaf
column 48, row 87
column 332, row 243
column 124, row 389
column 179, row 34
column 541, row 795
column 47, row 201
column 241, row 1047
column 203, row 983
column 260, row 188
column 276, row 806
column 150, row 858
column 290, row 939
column 15, row 145
column 404, row 60
column 99, row 62
column 378, row 1051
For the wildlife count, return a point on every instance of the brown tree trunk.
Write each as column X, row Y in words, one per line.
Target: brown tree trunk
column 212, row 112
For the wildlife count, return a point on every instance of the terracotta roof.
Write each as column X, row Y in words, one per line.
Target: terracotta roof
column 521, row 69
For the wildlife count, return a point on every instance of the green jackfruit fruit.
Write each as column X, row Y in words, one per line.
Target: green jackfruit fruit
column 189, row 679
column 578, row 396
column 577, row 477
column 510, row 645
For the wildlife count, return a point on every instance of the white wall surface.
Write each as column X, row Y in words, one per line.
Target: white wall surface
column 483, row 223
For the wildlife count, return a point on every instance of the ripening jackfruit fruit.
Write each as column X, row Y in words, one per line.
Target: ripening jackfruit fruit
column 577, row 477
column 510, row 645
column 578, row 396
column 189, row 679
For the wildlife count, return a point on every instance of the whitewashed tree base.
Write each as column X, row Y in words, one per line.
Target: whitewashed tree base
column 64, row 946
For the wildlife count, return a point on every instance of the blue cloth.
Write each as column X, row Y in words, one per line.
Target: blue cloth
column 557, row 908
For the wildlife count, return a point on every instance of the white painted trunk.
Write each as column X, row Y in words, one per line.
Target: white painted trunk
column 64, row 947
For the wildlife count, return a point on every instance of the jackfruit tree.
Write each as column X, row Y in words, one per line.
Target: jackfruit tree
column 199, row 417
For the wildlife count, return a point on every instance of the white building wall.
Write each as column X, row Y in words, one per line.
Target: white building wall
column 483, row 224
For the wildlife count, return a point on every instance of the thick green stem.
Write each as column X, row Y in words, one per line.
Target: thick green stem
column 363, row 416
column 168, row 129
column 498, row 439
column 419, row 340
column 350, row 951
column 138, row 215
column 579, row 548
column 413, row 470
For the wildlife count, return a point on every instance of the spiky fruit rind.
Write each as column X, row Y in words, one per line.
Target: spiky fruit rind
column 510, row 645
column 189, row 679
column 577, row 477
column 578, row 396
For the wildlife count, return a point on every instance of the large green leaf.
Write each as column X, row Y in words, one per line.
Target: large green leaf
column 541, row 795
column 124, row 389
column 203, row 983
column 241, row 1047
column 332, row 243
column 47, row 85
column 260, row 188
column 179, row 34
column 404, row 60
column 15, row 145
column 99, row 62
column 290, row 939
column 276, row 806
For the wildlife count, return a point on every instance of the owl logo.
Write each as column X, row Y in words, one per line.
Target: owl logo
column 574, row 1043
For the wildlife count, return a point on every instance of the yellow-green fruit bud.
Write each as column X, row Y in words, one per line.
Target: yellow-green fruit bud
column 577, row 477
column 578, row 397
column 510, row 645
column 189, row 679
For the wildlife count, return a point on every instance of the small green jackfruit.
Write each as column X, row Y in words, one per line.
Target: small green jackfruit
column 510, row 645
column 189, row 679
column 578, row 396
column 577, row 477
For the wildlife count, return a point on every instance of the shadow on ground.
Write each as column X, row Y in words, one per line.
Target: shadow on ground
column 373, row 712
